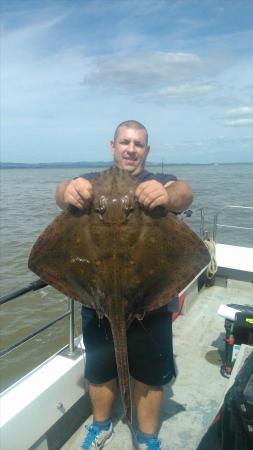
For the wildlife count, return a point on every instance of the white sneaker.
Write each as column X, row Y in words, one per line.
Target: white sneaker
column 96, row 438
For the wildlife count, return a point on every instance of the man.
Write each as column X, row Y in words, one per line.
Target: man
column 150, row 372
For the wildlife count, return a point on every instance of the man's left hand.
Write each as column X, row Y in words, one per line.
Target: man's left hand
column 151, row 194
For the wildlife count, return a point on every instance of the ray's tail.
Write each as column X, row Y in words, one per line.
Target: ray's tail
column 120, row 346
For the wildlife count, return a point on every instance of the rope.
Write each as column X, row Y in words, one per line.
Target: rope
column 212, row 267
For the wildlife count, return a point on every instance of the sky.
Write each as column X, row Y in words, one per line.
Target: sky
column 71, row 71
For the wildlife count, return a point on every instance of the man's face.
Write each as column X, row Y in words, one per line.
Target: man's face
column 130, row 149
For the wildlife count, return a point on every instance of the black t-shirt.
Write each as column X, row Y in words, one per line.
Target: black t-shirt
column 145, row 175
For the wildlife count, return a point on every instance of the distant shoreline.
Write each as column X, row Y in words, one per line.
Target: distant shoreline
column 103, row 165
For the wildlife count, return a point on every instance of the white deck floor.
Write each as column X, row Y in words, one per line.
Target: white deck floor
column 191, row 401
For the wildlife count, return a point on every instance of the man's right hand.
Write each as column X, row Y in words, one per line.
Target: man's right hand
column 76, row 192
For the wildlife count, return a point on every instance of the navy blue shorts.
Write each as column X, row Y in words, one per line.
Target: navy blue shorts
column 149, row 343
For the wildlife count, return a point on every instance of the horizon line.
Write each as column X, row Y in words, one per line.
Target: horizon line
column 109, row 163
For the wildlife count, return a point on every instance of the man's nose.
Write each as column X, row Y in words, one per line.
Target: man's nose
column 131, row 147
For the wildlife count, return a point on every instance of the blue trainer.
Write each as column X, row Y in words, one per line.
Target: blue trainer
column 96, row 437
column 148, row 443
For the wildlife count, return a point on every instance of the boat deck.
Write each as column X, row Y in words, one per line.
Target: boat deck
column 192, row 399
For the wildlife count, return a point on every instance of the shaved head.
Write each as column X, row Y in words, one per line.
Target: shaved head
column 134, row 124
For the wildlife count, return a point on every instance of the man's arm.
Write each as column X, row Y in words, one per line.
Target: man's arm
column 76, row 192
column 180, row 195
column 174, row 195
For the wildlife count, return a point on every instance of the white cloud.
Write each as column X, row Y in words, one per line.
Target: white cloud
column 156, row 76
column 239, row 117
column 137, row 72
column 241, row 111
column 243, row 122
column 188, row 92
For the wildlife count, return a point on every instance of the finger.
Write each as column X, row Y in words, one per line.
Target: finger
column 158, row 198
column 81, row 187
column 81, row 190
column 146, row 186
column 73, row 197
column 140, row 188
column 146, row 202
column 85, row 194
column 159, row 201
column 144, row 191
column 146, row 197
column 79, row 203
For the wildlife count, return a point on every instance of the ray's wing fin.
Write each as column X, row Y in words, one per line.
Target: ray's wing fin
column 168, row 255
column 62, row 254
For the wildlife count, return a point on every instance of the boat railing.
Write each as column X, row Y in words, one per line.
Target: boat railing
column 203, row 232
column 217, row 224
column 34, row 286
column 207, row 234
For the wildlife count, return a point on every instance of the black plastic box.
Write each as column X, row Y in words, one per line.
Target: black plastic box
column 238, row 331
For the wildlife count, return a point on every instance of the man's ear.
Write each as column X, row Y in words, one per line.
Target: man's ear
column 112, row 147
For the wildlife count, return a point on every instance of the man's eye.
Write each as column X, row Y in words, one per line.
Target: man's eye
column 139, row 144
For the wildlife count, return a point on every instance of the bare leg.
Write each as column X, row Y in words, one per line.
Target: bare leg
column 102, row 397
column 148, row 401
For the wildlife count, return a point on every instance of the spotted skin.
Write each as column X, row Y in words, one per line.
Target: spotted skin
column 118, row 258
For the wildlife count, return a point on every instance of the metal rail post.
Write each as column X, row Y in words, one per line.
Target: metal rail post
column 71, row 326
column 202, row 222
column 215, row 225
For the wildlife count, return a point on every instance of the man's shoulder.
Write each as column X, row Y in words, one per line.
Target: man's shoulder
column 163, row 178
column 88, row 175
